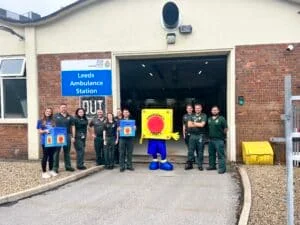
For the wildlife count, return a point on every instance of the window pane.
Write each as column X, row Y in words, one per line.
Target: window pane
column 12, row 66
column 15, row 98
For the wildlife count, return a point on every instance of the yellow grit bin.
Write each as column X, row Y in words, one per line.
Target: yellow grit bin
column 257, row 152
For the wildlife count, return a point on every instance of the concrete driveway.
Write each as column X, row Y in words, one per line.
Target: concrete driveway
column 141, row 197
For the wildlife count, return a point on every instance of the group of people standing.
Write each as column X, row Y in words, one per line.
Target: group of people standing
column 194, row 133
column 112, row 149
column 109, row 147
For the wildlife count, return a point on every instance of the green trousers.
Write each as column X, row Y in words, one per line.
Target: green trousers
column 67, row 158
column 99, row 149
column 80, row 150
column 217, row 146
column 109, row 150
column 126, row 149
column 196, row 143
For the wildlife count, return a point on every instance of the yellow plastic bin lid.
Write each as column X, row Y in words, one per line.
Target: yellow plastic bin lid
column 257, row 148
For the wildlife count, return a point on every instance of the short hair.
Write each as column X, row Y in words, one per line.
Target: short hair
column 189, row 105
column 199, row 104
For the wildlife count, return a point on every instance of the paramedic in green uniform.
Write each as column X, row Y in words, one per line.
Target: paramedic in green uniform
column 79, row 132
column 117, row 118
column 110, row 139
column 97, row 124
column 125, row 147
column 217, row 129
column 196, row 126
column 185, row 130
column 63, row 119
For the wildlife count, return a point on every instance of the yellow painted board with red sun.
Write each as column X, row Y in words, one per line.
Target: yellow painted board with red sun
column 157, row 124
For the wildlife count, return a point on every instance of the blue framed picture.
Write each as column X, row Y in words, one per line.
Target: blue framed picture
column 57, row 137
column 127, row 128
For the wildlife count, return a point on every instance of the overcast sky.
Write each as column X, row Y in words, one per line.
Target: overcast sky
column 42, row 7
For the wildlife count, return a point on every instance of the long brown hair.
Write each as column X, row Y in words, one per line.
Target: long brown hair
column 45, row 118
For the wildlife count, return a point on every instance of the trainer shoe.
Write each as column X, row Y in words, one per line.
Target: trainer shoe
column 52, row 173
column 45, row 175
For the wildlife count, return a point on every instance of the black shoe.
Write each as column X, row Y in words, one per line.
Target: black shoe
column 131, row 168
column 221, row 171
column 211, row 168
column 122, row 170
column 71, row 169
column 200, row 168
column 55, row 170
column 81, row 167
column 188, row 166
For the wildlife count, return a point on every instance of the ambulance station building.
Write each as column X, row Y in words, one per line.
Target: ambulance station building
column 161, row 53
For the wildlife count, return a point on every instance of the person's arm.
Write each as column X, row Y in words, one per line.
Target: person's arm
column 40, row 128
column 117, row 137
column 202, row 123
column 104, row 137
column 73, row 132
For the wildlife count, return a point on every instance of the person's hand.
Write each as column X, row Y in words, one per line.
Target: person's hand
column 93, row 135
column 183, row 135
column 119, row 129
column 73, row 139
column 104, row 142
column 47, row 131
column 116, row 142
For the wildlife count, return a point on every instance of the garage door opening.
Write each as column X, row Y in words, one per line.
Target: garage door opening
column 173, row 83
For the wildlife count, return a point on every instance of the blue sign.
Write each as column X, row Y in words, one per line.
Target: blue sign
column 127, row 128
column 90, row 77
column 57, row 137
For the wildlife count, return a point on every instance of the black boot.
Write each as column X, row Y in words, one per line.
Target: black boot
column 188, row 165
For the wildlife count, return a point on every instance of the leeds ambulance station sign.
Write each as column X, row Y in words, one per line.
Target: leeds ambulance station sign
column 88, row 77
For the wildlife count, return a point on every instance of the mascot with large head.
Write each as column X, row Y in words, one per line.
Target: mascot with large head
column 157, row 127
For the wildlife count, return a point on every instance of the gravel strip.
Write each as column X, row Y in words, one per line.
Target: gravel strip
column 268, row 185
column 21, row 175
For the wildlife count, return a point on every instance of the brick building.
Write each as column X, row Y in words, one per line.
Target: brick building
column 215, row 52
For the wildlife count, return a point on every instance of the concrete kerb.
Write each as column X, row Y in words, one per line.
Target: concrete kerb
column 243, row 220
column 49, row 186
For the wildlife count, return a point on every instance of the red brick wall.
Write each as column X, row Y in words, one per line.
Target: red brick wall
column 50, row 86
column 13, row 141
column 260, row 72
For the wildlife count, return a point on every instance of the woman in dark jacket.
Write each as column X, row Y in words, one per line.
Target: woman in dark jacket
column 79, row 133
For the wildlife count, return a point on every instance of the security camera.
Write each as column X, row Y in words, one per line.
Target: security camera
column 290, row 48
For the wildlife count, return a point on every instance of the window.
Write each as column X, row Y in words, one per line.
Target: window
column 13, row 92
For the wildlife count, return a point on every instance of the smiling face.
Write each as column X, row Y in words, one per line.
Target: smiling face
column 189, row 109
column 215, row 111
column 63, row 108
column 48, row 112
column 198, row 109
column 109, row 116
column 80, row 112
column 100, row 113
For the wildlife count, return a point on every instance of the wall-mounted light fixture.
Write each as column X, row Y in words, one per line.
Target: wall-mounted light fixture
column 171, row 38
column 9, row 30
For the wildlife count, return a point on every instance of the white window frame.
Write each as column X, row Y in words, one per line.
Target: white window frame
column 14, row 74
column 19, row 76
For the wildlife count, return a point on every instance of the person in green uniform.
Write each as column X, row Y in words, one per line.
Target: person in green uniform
column 97, row 124
column 217, row 129
column 126, row 146
column 185, row 130
column 110, row 139
column 117, row 119
column 63, row 119
column 79, row 132
column 196, row 126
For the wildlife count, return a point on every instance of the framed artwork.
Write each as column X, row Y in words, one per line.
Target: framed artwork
column 127, row 128
column 57, row 137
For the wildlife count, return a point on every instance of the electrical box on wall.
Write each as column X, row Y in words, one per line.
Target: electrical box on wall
column 241, row 100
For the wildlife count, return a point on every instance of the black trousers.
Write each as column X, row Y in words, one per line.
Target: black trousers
column 48, row 156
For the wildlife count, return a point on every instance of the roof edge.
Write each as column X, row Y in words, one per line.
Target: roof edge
column 51, row 17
